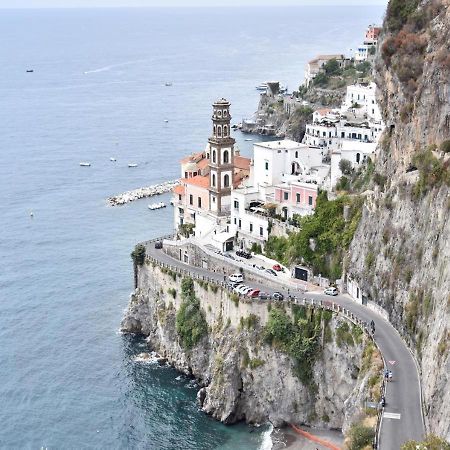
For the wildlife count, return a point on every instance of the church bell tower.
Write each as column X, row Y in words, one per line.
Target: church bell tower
column 221, row 159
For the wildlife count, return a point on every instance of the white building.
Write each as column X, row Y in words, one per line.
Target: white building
column 362, row 97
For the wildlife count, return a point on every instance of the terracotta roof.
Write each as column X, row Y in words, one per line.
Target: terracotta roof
column 198, row 180
column 240, row 162
column 237, row 178
column 179, row 190
column 203, row 163
column 194, row 157
column 323, row 111
column 325, row 57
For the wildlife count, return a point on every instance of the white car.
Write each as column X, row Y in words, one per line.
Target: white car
column 244, row 289
column 236, row 278
column 331, row 291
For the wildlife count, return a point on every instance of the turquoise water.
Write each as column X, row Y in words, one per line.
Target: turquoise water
column 67, row 377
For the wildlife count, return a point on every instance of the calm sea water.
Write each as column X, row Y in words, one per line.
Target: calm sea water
column 67, row 377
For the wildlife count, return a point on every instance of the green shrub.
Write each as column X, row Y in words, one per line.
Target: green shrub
column 398, row 12
column 360, row 436
column 256, row 248
column 214, row 288
column 343, row 335
column 235, row 299
column 370, row 260
column 255, row 363
column 431, row 442
column 297, row 337
column 138, row 255
column 345, row 166
column 445, row 146
column 191, row 324
column 172, row 292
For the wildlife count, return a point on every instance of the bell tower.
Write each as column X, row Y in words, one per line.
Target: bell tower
column 221, row 159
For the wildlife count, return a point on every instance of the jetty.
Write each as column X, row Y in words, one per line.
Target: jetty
column 143, row 192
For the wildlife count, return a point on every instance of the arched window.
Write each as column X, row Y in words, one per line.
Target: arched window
column 219, row 113
column 214, row 156
column 296, row 154
column 224, row 113
column 219, row 131
column 358, row 158
column 225, row 131
column 214, row 180
column 225, row 157
column 214, row 130
column 226, row 181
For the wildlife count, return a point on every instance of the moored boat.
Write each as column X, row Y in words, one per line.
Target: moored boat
column 85, row 164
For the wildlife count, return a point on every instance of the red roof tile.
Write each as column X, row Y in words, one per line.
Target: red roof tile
column 240, row 162
column 198, row 180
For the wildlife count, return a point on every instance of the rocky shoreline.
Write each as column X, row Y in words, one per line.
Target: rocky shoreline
column 143, row 192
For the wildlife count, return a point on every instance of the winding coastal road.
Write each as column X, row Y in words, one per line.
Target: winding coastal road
column 402, row 418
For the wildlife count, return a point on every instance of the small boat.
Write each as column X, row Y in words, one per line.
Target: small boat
column 30, row 70
column 132, row 165
column 156, row 206
column 262, row 87
column 85, row 164
column 168, row 83
column 248, row 139
column 166, row 120
column 113, row 159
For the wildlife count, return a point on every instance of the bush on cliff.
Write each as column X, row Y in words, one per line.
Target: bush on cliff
column 324, row 237
column 191, row 325
column 297, row 337
column 138, row 255
column 431, row 442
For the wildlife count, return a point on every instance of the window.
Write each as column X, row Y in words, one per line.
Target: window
column 185, row 174
column 214, row 199
column 235, row 220
column 214, row 130
column 226, row 180
column 266, row 164
column 226, row 157
column 286, row 195
column 199, row 202
column 219, row 131
column 225, row 131
column 261, row 231
column 310, row 200
column 296, row 154
column 342, row 134
column 224, row 113
column 251, row 227
column 297, row 197
column 191, row 199
column 214, row 180
column 240, row 224
column 219, row 113
column 214, row 156
column 236, row 204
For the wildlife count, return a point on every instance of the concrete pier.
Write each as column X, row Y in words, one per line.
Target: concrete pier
column 143, row 192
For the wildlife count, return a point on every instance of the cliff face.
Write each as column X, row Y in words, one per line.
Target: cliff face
column 244, row 378
column 400, row 254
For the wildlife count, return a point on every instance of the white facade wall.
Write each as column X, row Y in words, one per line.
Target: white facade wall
column 354, row 291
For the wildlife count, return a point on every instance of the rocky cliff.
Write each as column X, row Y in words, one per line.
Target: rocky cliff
column 245, row 377
column 400, row 254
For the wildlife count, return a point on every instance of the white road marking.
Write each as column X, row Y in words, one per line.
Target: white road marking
column 388, row 415
column 392, row 362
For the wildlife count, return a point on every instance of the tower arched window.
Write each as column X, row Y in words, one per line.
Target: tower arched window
column 226, row 157
column 225, row 130
column 214, row 180
column 219, row 131
column 226, row 180
column 214, row 156
column 214, row 130
column 219, row 113
column 224, row 113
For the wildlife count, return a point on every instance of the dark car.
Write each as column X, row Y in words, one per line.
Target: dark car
column 272, row 272
column 278, row 296
column 158, row 244
column 264, row 295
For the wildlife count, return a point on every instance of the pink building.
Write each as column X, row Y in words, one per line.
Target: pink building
column 296, row 198
column 372, row 33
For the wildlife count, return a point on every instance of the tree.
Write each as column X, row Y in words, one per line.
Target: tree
column 345, row 166
column 332, row 68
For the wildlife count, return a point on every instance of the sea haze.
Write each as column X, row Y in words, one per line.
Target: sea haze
column 68, row 378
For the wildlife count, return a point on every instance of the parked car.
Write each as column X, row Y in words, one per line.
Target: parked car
column 277, row 267
column 271, row 271
column 253, row 293
column 236, row 278
column 264, row 295
column 331, row 291
column 158, row 244
column 243, row 254
column 236, row 288
column 278, row 296
column 245, row 290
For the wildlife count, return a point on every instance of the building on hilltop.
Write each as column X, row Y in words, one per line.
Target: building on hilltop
column 315, row 66
column 368, row 47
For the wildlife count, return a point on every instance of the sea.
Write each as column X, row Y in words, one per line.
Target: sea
column 68, row 377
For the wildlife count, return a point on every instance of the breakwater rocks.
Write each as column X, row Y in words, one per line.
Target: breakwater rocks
column 143, row 192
